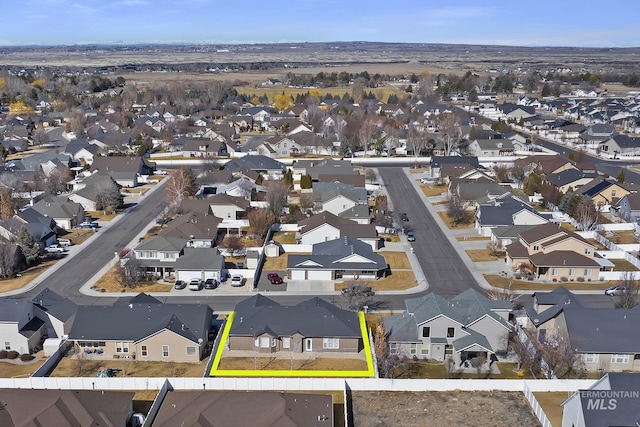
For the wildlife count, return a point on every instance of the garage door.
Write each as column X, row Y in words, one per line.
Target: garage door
column 319, row 275
column 298, row 275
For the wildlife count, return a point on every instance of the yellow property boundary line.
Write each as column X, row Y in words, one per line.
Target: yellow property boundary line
column 215, row 372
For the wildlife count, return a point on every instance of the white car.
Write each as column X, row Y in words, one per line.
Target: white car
column 237, row 280
column 55, row 249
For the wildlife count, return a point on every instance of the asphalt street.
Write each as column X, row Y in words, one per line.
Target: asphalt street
column 443, row 268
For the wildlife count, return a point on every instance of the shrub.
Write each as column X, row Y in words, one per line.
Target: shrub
column 3, row 354
column 517, row 276
column 26, row 357
column 564, row 279
column 589, row 279
column 555, row 280
column 580, row 279
column 12, row 354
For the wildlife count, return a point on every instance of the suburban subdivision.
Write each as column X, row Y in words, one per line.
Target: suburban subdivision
column 300, row 246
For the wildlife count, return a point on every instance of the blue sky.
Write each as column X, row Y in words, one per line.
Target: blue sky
column 519, row 23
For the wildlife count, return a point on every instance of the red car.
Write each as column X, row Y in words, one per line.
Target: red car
column 274, row 278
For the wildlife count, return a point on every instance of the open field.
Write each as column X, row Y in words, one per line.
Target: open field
column 442, row 409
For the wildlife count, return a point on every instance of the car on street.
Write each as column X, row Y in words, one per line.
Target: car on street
column 615, row 290
column 55, row 249
column 411, row 237
column 237, row 280
column 180, row 284
column 64, row 242
column 274, row 278
column 210, row 283
column 404, row 216
column 195, row 285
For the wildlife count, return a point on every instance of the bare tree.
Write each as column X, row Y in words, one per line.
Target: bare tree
column 370, row 175
column 129, row 272
column 7, row 258
column 629, row 296
column 449, row 126
column 586, row 214
column 108, row 196
column 233, row 243
column 502, row 173
column 277, row 192
column 181, row 184
column 389, row 365
column 7, row 204
column 517, row 174
column 260, row 220
column 455, row 209
column 504, row 294
column 56, row 181
column 358, row 294
column 357, row 89
column 494, row 248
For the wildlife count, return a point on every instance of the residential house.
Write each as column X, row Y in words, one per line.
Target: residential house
column 610, row 401
column 82, row 151
column 158, row 254
column 468, row 328
column 474, row 194
column 200, row 230
column 65, row 213
column 124, row 170
column 508, row 210
column 20, row 329
column 620, row 145
column 50, row 407
column 232, row 210
column 326, row 226
column 344, row 258
column 455, row 173
column 56, row 311
column 199, row 263
column 544, row 165
column 516, row 112
column 553, row 252
column 437, row 162
column 228, row 408
column 204, row 148
column 491, row 148
column 41, row 227
column 282, row 146
column 86, row 191
column 628, row 207
column 507, row 234
column 266, row 166
column 605, row 192
column 342, row 200
column 144, row 329
column 571, row 179
column 315, row 168
column 313, row 327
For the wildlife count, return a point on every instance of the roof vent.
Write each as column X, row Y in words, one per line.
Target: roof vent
column 130, row 305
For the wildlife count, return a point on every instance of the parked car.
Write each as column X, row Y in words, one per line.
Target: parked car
column 90, row 224
column 237, row 280
column 240, row 265
column 55, row 249
column 274, row 278
column 180, row 284
column 210, row 283
column 411, row 237
column 64, row 242
column 404, row 216
column 615, row 290
column 195, row 285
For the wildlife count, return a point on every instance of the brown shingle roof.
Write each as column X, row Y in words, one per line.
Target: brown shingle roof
column 562, row 259
column 517, row 250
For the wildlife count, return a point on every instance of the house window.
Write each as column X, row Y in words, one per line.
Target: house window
column 619, row 358
column 286, row 342
column 191, row 350
column 393, row 348
column 169, row 255
column 264, row 342
column 451, row 332
column 448, row 350
column 572, row 272
column 554, row 271
column 587, row 251
column 613, row 193
column 7, row 345
column 331, row 343
column 536, row 247
column 273, row 342
column 308, row 344
column 414, row 349
column 424, row 350
column 144, row 351
column 426, row 332
column 587, row 272
column 122, row 347
column 590, row 357
column 165, row 351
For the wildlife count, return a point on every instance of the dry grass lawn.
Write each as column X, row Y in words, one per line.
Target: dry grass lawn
column 623, row 237
column 108, row 283
column 78, row 237
column 472, row 238
column 501, row 282
column 398, row 280
column 319, row 364
column 432, row 190
column 396, row 260
column 390, row 237
column 20, row 370
column 285, row 237
column 622, row 265
column 550, row 403
column 568, row 226
column 598, row 245
column 279, row 263
column 100, row 215
column 449, row 221
column 417, row 170
column 69, row 367
column 422, row 369
column 480, row 255
column 26, row 277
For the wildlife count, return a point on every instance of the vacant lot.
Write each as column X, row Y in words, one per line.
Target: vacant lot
column 446, row 409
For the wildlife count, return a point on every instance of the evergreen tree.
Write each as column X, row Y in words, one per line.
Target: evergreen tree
column 621, row 176
column 29, row 247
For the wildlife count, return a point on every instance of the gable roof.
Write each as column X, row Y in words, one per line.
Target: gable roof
column 162, row 243
column 255, row 163
column 311, row 318
column 196, row 224
column 337, row 254
column 346, row 226
column 55, row 305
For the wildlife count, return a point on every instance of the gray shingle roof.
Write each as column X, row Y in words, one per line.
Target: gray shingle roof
column 311, row 318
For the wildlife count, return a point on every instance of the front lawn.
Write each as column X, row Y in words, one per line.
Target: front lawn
column 396, row 260
column 109, row 283
column 501, row 282
column 25, row 277
column 449, row 221
column 481, row 255
column 432, row 190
